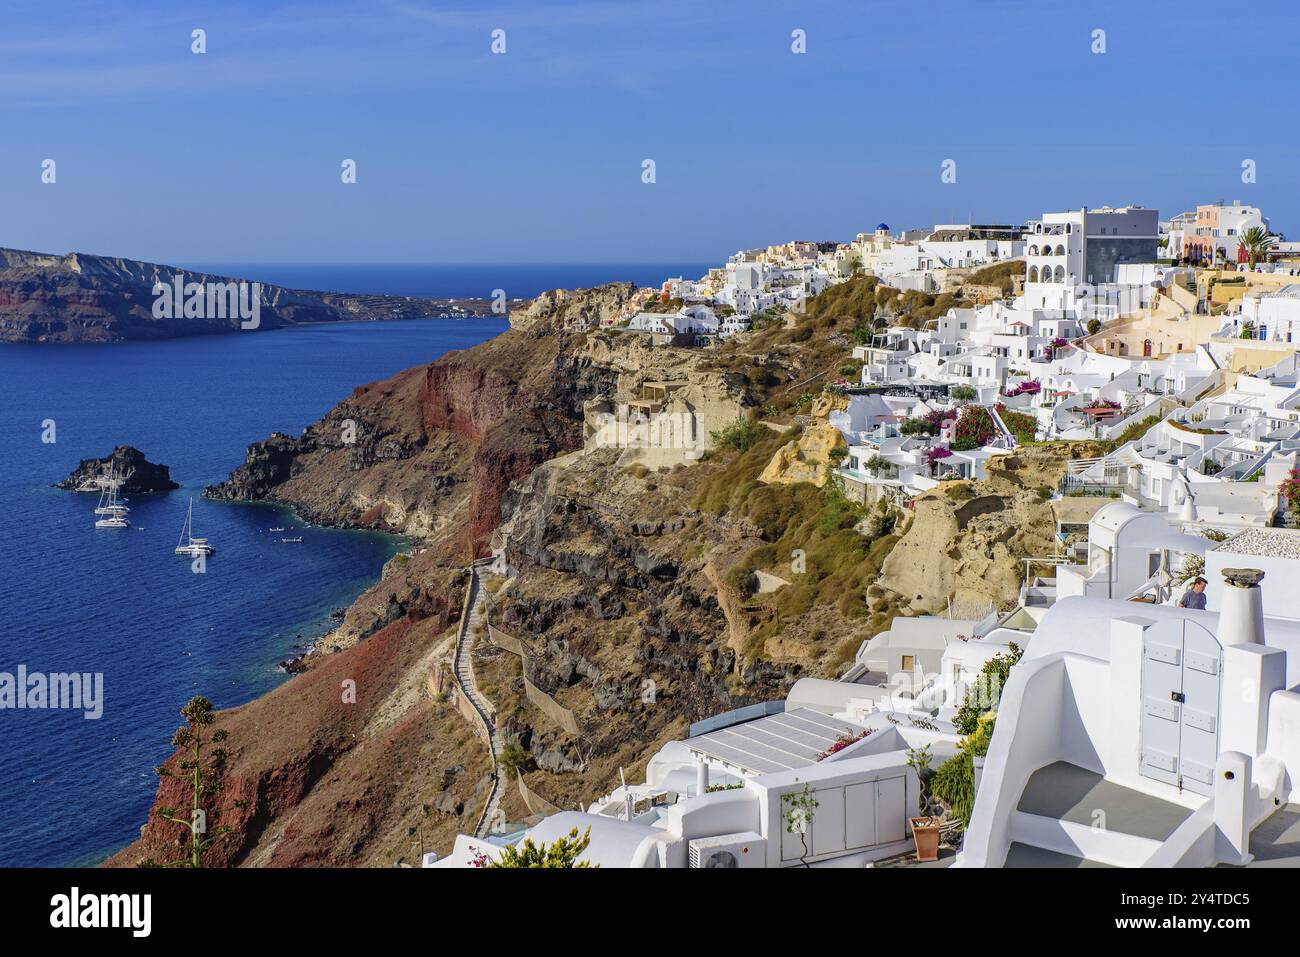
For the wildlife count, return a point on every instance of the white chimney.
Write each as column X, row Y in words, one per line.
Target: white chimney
column 1241, row 614
column 1188, row 512
column 701, row 778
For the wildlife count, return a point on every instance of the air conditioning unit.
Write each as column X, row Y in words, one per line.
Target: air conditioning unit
column 745, row 849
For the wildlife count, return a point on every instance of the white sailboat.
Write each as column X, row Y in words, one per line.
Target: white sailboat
column 113, row 511
column 187, row 544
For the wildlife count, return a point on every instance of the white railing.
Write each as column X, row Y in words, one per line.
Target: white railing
column 1006, row 433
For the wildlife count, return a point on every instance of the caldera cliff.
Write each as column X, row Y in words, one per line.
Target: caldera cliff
column 623, row 605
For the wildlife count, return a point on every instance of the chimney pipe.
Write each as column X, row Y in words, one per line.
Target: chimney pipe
column 701, row 778
column 1241, row 615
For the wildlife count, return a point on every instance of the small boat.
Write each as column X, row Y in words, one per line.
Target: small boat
column 292, row 541
column 187, row 544
column 275, row 529
column 116, row 521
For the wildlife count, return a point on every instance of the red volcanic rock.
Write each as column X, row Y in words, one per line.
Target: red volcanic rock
column 281, row 746
column 431, row 443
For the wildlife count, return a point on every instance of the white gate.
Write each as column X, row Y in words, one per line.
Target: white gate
column 1181, row 669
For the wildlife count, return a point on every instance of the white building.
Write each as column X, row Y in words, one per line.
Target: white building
column 1136, row 735
column 1275, row 316
column 1082, row 248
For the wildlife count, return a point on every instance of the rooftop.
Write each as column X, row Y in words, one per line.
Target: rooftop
column 1263, row 543
column 779, row 742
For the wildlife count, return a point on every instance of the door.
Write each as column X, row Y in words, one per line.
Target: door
column 891, row 810
column 828, row 822
column 1181, row 670
column 860, row 815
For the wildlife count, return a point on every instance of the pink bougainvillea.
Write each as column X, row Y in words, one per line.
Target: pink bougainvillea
column 1028, row 387
column 843, row 742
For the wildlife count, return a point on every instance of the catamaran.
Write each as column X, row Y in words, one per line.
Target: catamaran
column 113, row 511
column 187, row 544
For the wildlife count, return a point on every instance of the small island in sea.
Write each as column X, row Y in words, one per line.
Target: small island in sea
column 140, row 476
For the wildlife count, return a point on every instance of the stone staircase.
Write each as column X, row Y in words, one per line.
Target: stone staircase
column 472, row 617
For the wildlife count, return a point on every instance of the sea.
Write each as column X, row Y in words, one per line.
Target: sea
column 117, row 604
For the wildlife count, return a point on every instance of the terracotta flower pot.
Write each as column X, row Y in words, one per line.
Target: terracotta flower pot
column 925, row 831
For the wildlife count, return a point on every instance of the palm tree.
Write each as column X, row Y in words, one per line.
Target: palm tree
column 1257, row 241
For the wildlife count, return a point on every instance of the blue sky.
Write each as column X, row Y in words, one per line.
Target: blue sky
column 535, row 155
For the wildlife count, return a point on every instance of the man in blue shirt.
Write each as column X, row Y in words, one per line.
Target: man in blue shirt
column 1194, row 597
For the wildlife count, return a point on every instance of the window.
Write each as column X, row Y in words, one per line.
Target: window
column 909, row 662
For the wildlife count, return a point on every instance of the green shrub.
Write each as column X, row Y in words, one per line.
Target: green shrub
column 514, row 759
column 954, row 781
column 742, row 579
column 740, row 435
column 563, row 853
column 983, row 696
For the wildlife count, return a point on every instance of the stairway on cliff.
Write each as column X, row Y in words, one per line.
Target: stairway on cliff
column 465, row 678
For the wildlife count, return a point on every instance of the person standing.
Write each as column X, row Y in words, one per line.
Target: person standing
column 1194, row 597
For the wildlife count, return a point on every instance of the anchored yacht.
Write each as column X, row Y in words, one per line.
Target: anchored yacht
column 187, row 544
column 111, row 509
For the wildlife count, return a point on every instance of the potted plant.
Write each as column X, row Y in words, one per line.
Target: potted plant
column 925, row 828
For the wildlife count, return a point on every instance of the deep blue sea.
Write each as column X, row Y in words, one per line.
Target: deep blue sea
column 119, row 602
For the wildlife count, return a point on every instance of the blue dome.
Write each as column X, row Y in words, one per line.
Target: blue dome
column 882, row 226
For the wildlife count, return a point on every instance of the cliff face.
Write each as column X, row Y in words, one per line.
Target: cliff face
column 318, row 776
column 433, row 447
column 968, row 543
column 579, row 309
column 78, row 297
column 613, row 588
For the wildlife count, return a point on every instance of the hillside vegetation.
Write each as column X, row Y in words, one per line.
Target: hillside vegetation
column 999, row 274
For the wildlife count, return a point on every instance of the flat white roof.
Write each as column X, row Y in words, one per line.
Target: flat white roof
column 779, row 742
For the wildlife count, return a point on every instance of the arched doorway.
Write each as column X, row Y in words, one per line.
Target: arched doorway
column 1146, row 347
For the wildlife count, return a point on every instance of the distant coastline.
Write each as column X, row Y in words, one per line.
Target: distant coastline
column 75, row 297
column 457, row 281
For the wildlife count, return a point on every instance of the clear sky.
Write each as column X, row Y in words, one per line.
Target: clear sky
column 536, row 154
